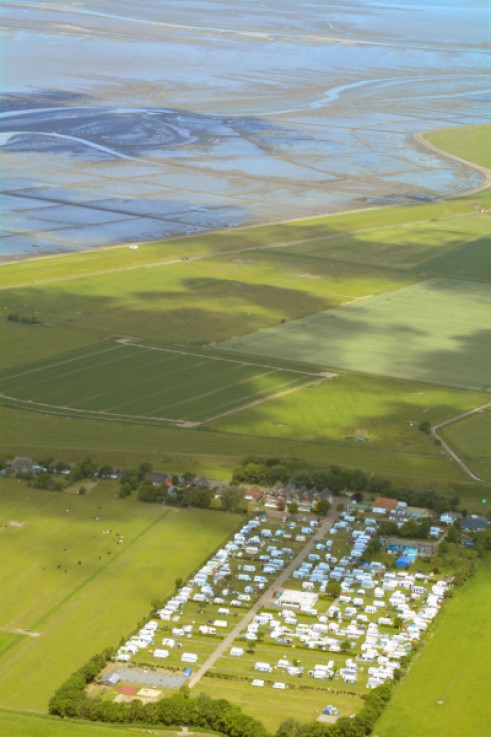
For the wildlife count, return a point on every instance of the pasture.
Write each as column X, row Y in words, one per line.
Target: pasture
column 18, row 724
column 471, row 439
column 213, row 454
column 449, row 680
column 71, row 582
column 362, row 410
column 131, row 381
column 435, row 332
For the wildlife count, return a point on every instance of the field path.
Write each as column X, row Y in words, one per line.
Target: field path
column 434, row 432
column 265, row 600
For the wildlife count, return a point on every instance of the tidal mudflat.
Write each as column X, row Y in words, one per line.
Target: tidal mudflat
column 133, row 122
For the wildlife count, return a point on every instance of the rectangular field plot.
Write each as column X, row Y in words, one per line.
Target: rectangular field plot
column 436, row 332
column 128, row 381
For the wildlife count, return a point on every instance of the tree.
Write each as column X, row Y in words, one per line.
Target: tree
column 232, row 499
column 106, row 470
column 333, row 589
column 302, row 478
column 357, row 497
column 379, row 487
column 355, row 479
column 293, row 508
column 322, row 507
column 143, row 469
column 179, row 583
column 290, row 728
column 124, row 491
column 88, row 467
column 345, row 646
column 425, row 427
column 60, row 466
column 453, row 535
column 147, row 493
column 340, row 507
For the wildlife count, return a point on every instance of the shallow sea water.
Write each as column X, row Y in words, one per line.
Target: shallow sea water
column 141, row 120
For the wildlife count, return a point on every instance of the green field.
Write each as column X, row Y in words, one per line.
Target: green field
column 471, row 439
column 16, row 724
column 152, row 384
column 79, row 609
column 471, row 143
column 186, row 294
column 452, row 668
column 435, row 331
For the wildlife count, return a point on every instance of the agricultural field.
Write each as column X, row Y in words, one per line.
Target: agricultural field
column 124, row 381
column 435, row 332
column 356, row 409
column 449, row 681
column 471, row 439
column 71, row 588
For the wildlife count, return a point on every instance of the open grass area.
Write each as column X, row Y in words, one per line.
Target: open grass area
column 359, row 409
column 471, row 142
column 214, row 454
column 471, row 440
column 17, row 724
column 70, row 581
column 151, row 384
column 452, row 669
column 436, row 332
column 272, row 706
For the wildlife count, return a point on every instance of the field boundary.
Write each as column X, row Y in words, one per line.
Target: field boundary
column 434, row 432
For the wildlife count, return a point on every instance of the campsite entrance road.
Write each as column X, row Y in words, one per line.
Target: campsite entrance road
column 265, row 600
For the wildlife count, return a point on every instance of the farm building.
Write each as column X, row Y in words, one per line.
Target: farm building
column 158, row 479
column 254, row 494
column 383, row 504
column 22, row 464
column 279, row 497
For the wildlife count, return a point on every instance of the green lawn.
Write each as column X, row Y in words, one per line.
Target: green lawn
column 452, row 668
column 471, row 439
column 78, row 609
column 436, row 331
column 17, row 724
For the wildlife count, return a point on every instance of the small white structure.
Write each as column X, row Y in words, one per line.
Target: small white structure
column 297, row 599
column 189, row 658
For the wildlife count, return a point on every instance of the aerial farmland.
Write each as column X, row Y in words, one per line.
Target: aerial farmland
column 245, row 466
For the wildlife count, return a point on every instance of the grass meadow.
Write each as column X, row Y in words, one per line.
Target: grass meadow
column 471, row 439
column 435, row 331
column 70, row 581
column 209, row 452
column 452, row 668
column 148, row 383
column 471, row 143
column 18, row 724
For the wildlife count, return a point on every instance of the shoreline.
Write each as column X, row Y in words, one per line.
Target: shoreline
column 418, row 137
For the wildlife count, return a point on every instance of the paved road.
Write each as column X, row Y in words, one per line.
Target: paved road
column 448, row 448
column 265, row 600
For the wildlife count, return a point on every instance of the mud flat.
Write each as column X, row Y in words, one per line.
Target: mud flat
column 142, row 123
